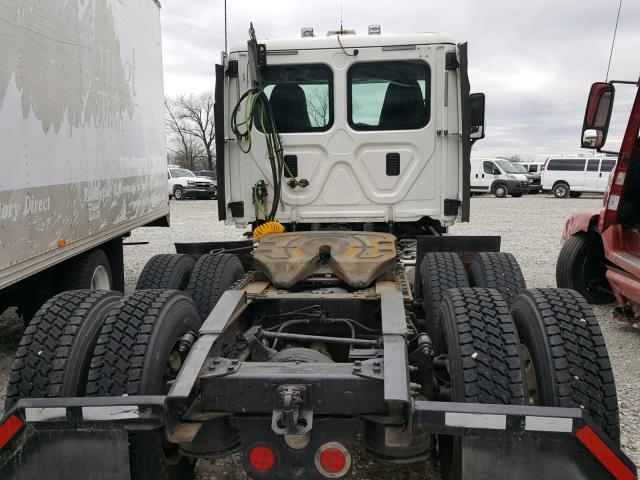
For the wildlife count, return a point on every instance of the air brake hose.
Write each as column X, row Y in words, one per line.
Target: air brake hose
column 258, row 108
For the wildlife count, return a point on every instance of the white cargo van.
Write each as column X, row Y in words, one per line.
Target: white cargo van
column 497, row 176
column 571, row 177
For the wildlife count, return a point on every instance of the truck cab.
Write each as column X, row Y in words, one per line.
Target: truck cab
column 601, row 253
column 373, row 124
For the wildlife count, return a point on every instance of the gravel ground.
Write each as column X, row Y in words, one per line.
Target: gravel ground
column 530, row 228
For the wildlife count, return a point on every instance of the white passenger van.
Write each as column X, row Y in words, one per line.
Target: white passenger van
column 571, row 177
column 497, row 176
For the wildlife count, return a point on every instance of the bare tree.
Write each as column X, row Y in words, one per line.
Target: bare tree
column 318, row 107
column 184, row 148
column 195, row 114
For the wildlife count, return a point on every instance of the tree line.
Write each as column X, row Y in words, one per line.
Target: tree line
column 191, row 131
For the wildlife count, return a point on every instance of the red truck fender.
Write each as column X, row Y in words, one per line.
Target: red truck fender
column 580, row 222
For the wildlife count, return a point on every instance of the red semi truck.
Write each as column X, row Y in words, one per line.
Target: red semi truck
column 601, row 253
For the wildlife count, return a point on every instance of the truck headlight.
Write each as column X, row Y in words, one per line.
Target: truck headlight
column 191, row 184
column 511, row 176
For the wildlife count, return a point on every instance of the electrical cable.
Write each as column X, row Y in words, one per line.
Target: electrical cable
column 355, row 52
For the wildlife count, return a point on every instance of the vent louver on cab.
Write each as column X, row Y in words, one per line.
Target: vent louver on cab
column 393, row 164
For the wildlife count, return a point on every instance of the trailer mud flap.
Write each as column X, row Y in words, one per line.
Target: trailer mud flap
column 91, row 452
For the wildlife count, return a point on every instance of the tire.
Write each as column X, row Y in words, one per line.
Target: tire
column 178, row 193
column 516, row 195
column 497, row 270
column 569, row 357
column 167, row 272
column 439, row 272
column 500, row 191
column 55, row 352
column 581, row 266
column 211, row 277
column 91, row 270
column 483, row 356
column 131, row 358
column 561, row 190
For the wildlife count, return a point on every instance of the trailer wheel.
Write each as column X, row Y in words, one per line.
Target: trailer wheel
column 581, row 266
column 140, row 350
column 211, row 277
column 439, row 272
column 482, row 357
column 91, row 270
column 166, row 271
column 565, row 357
column 55, row 352
column 497, row 270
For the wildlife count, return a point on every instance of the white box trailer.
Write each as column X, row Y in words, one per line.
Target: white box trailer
column 83, row 157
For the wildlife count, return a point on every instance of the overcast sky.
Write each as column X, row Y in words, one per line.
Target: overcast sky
column 534, row 60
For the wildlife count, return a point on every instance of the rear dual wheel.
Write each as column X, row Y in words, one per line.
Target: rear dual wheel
column 141, row 348
column 482, row 357
column 564, row 355
column 55, row 351
column 548, row 351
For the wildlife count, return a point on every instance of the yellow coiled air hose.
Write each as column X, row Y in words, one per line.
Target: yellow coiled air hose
column 267, row 229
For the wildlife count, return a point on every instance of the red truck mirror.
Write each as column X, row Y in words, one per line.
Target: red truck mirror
column 598, row 115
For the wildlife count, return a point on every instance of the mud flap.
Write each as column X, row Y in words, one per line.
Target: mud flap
column 91, row 452
column 526, row 442
column 529, row 457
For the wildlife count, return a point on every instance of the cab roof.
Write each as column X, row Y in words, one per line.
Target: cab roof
column 352, row 41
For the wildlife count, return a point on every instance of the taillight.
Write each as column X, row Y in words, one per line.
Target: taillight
column 262, row 458
column 9, row 428
column 333, row 460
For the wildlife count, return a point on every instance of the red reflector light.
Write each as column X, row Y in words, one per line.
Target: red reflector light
column 333, row 460
column 262, row 458
column 8, row 429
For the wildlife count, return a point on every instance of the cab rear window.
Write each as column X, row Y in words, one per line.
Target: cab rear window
column 301, row 97
column 389, row 95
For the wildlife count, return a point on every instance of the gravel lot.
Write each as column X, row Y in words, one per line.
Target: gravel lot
column 530, row 227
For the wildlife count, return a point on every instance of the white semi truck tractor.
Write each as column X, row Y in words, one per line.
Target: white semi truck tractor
column 350, row 326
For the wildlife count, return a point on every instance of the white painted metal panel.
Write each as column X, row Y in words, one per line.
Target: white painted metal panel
column 345, row 167
column 81, row 110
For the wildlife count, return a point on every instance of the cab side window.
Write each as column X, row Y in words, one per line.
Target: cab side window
column 490, row 168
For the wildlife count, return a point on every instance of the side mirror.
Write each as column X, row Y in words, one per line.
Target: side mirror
column 476, row 107
column 598, row 115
